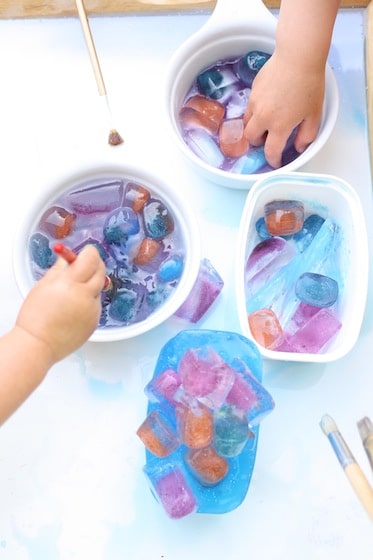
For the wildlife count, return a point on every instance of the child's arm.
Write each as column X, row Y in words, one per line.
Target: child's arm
column 57, row 317
column 289, row 89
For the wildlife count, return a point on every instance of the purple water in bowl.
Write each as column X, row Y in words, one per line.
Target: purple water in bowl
column 136, row 234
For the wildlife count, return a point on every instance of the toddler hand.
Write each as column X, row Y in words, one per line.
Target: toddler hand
column 63, row 308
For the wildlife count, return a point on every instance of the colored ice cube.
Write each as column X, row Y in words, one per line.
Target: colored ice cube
column 205, row 375
column 164, row 386
column 231, row 431
column 204, row 146
column 251, row 162
column 278, row 292
column 237, row 104
column 206, row 289
column 249, row 65
column 172, row 489
column 157, row 434
column 195, row 425
column 267, row 257
column 135, row 196
column 191, row 119
column 243, row 394
column 40, row 251
column 266, row 328
column 316, row 333
column 119, row 224
column 104, row 197
column 249, row 395
column 57, row 222
column 232, row 141
column 261, row 228
column 147, row 250
column 207, row 465
column 125, row 305
column 100, row 248
column 284, row 217
column 311, row 226
column 158, row 220
column 216, row 81
column 200, row 111
column 302, row 314
column 316, row 289
column 171, row 269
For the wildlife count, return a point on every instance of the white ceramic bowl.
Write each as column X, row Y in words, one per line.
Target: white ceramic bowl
column 179, row 209
column 234, row 28
column 332, row 198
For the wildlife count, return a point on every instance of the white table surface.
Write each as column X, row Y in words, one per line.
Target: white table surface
column 71, row 481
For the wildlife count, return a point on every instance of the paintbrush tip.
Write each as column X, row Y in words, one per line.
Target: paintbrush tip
column 328, row 425
column 115, row 138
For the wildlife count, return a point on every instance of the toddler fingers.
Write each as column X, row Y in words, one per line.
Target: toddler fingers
column 306, row 134
column 87, row 264
column 273, row 148
column 255, row 132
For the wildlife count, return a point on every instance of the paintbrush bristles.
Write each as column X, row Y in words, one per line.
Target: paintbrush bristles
column 328, row 425
column 114, row 137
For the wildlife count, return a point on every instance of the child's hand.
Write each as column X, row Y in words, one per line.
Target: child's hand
column 283, row 97
column 62, row 310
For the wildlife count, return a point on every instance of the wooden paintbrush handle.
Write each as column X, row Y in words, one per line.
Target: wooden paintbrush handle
column 362, row 488
column 91, row 47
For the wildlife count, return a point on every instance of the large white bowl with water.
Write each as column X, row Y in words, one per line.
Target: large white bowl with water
column 184, row 219
column 234, row 28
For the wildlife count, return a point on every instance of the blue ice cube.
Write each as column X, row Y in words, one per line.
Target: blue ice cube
column 316, row 289
column 311, row 226
column 40, row 252
column 251, row 162
column 215, row 82
column 249, row 65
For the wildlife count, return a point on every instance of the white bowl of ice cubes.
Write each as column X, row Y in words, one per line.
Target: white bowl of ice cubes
column 147, row 236
column 212, row 71
column 302, row 267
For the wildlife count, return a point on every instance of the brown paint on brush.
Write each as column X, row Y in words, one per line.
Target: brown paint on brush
column 115, row 138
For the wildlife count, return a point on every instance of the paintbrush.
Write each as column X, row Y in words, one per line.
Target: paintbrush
column 355, row 475
column 114, row 137
column 69, row 256
column 365, row 427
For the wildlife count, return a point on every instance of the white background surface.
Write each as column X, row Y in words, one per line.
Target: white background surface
column 71, row 485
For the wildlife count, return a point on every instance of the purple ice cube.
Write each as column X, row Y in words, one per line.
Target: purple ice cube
column 100, row 198
column 206, row 289
column 237, row 104
column 174, row 492
column 164, row 386
column 302, row 314
column 206, row 376
column 315, row 334
column 265, row 260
